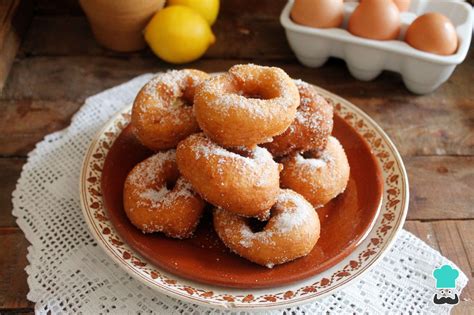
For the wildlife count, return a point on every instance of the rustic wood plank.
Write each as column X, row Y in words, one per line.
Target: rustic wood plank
column 451, row 245
column 7, row 9
column 7, row 55
column 13, row 285
column 249, row 8
column 423, row 125
column 58, row 7
column 236, row 38
column 16, row 311
column 429, row 125
column 445, row 237
column 72, row 78
column 441, row 187
column 44, row 92
column 65, row 77
column 12, row 264
column 262, row 8
column 463, row 308
column 14, row 19
column 25, row 122
column 430, row 200
column 466, row 230
column 74, row 32
column 10, row 170
column 424, row 231
column 248, row 38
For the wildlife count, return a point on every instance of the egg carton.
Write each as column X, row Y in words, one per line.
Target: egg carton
column 422, row 72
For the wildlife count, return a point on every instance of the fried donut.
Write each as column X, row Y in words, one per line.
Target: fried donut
column 291, row 232
column 246, row 106
column 310, row 129
column 161, row 114
column 247, row 185
column 318, row 176
column 153, row 207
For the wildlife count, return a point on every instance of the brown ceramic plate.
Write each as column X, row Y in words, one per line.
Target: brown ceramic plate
column 352, row 124
column 345, row 221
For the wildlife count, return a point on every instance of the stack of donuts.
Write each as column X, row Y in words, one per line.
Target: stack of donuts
column 253, row 143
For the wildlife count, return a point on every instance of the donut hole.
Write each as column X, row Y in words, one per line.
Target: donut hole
column 254, row 91
column 254, row 96
column 183, row 101
column 256, row 225
column 171, row 183
column 258, row 92
column 259, row 84
column 243, row 151
column 187, row 99
column 312, row 154
column 307, row 155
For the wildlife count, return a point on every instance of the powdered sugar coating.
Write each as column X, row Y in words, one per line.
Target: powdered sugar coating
column 165, row 92
column 247, row 106
column 294, row 211
column 318, row 175
column 156, row 197
column 238, row 99
column 144, row 173
column 290, row 212
column 324, row 164
column 248, row 237
column 162, row 113
column 312, row 124
column 169, row 84
column 152, row 206
column 314, row 120
column 291, row 231
column 246, row 184
column 258, row 161
column 315, row 162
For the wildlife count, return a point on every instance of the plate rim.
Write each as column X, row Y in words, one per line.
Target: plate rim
column 244, row 304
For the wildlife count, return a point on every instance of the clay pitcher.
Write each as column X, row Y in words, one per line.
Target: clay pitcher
column 119, row 24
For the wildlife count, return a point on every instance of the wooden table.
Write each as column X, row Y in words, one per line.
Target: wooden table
column 59, row 64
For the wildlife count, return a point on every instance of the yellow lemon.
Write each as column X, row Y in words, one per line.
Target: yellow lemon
column 207, row 8
column 178, row 34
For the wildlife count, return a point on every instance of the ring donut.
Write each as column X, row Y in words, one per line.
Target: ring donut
column 162, row 113
column 318, row 176
column 310, row 129
column 247, row 185
column 153, row 207
column 291, row 232
column 246, row 106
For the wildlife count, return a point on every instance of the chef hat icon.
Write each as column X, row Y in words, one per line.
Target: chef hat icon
column 445, row 277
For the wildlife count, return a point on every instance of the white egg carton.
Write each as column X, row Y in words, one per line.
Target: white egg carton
column 422, row 72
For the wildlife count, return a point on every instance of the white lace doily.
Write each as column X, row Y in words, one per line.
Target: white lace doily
column 69, row 273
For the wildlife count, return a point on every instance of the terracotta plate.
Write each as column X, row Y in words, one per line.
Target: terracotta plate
column 200, row 269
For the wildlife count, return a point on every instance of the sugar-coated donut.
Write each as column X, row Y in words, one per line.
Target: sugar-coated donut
column 153, row 207
column 310, row 129
column 246, row 106
column 245, row 184
column 318, row 176
column 291, row 232
column 162, row 113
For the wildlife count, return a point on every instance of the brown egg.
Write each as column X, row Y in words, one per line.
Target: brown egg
column 375, row 19
column 318, row 13
column 402, row 5
column 434, row 33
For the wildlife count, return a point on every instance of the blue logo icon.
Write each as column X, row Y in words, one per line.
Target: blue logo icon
column 445, row 281
column 445, row 277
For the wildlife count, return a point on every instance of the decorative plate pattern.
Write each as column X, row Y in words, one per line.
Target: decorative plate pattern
column 383, row 233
